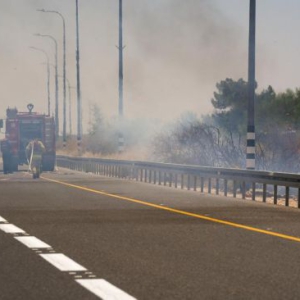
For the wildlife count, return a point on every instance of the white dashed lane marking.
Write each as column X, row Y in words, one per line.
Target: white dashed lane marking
column 100, row 287
column 62, row 262
column 2, row 220
column 32, row 242
column 10, row 228
column 104, row 289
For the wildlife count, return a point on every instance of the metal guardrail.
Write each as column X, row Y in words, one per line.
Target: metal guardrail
column 276, row 188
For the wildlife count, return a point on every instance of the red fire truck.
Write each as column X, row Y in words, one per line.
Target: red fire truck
column 20, row 129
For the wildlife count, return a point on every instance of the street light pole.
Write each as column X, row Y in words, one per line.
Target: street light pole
column 250, row 158
column 70, row 107
column 56, row 82
column 70, row 104
column 120, row 58
column 79, row 114
column 48, row 75
column 121, row 48
column 64, row 70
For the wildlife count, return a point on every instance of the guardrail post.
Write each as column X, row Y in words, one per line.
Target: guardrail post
column 131, row 171
column 159, row 178
column 234, row 189
column 189, row 182
column 195, row 183
column 253, row 191
column 243, row 190
column 154, row 177
column 225, row 187
column 209, row 185
column 275, row 193
column 287, row 195
column 176, row 180
column 165, row 178
column 202, row 184
column 217, row 186
column 171, row 179
column 264, row 192
column 182, row 181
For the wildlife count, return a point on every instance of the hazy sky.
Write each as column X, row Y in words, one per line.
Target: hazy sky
column 176, row 51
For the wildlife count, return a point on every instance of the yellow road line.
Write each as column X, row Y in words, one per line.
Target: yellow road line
column 178, row 211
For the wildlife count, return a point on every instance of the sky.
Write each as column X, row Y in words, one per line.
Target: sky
column 176, row 51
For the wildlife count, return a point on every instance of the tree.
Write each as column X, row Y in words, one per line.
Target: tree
column 230, row 104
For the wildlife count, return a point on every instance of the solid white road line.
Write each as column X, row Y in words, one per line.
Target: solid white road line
column 2, row 219
column 10, row 228
column 32, row 242
column 62, row 262
column 104, row 289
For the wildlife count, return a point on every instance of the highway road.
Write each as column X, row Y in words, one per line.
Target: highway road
column 71, row 235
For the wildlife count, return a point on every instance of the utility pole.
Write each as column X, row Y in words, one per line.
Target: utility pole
column 121, row 48
column 79, row 114
column 250, row 158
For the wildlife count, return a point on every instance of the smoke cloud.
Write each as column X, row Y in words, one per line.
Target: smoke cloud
column 175, row 53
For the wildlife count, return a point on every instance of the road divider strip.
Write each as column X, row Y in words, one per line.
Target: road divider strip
column 178, row 211
column 97, row 286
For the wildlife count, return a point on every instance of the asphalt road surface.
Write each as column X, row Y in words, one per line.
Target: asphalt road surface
column 71, row 235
